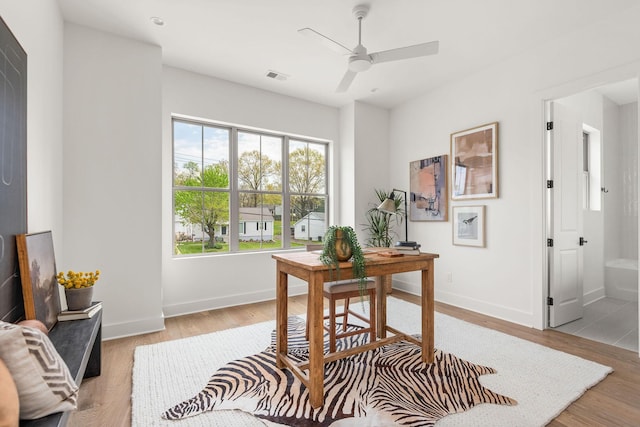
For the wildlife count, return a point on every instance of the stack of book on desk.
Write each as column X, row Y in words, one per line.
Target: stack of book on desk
column 87, row 313
column 407, row 248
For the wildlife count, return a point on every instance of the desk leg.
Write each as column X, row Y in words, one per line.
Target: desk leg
column 281, row 315
column 316, row 340
column 381, row 305
column 428, row 308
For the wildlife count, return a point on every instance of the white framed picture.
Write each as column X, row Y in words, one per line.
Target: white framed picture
column 468, row 226
column 474, row 163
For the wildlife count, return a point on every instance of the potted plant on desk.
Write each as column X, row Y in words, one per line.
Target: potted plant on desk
column 379, row 226
column 78, row 288
column 340, row 244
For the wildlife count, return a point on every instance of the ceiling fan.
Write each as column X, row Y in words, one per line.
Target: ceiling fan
column 359, row 59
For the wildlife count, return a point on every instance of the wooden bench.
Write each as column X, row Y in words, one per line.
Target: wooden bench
column 79, row 344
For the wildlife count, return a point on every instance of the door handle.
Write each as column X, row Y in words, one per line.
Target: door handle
column 583, row 241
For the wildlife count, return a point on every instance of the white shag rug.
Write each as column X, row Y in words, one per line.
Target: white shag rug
column 543, row 381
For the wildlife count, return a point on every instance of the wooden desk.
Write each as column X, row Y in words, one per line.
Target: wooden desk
column 307, row 266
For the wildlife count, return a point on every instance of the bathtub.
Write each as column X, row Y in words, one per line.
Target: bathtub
column 621, row 279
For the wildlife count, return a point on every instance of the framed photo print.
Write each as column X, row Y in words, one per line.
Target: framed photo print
column 468, row 226
column 38, row 273
column 429, row 191
column 474, row 163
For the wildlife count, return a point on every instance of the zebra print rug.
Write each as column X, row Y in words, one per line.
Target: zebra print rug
column 386, row 386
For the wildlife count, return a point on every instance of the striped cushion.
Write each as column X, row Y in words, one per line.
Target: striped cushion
column 42, row 378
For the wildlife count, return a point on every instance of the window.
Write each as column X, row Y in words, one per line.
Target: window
column 591, row 168
column 239, row 190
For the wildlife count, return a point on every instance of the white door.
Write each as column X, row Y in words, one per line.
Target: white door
column 566, row 254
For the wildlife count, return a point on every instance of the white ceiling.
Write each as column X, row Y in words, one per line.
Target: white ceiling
column 240, row 40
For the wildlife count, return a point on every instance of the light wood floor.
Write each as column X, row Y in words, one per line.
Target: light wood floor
column 105, row 400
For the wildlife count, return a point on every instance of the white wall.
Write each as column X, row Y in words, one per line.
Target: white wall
column 371, row 170
column 41, row 36
column 193, row 284
column 363, row 161
column 612, row 181
column 345, row 162
column 629, row 175
column 112, row 174
column 507, row 278
column 621, row 180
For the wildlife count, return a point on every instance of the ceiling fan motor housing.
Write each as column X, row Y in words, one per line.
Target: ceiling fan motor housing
column 359, row 61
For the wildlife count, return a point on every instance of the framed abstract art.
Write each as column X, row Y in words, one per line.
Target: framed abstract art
column 474, row 163
column 428, row 187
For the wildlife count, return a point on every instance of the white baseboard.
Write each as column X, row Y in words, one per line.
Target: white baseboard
column 622, row 293
column 593, row 296
column 482, row 307
column 136, row 327
column 227, row 301
column 145, row 326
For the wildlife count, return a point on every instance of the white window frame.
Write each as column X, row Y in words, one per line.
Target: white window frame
column 233, row 228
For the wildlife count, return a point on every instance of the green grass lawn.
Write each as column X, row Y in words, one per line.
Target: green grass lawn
column 186, row 248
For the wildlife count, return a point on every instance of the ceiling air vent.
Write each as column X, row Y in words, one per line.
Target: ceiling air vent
column 276, row 75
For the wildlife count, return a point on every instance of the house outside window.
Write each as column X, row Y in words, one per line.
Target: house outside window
column 239, row 190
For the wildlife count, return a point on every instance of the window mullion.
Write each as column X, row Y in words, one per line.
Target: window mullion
column 234, row 216
column 286, row 202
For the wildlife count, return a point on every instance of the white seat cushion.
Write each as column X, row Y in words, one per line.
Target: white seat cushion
column 347, row 285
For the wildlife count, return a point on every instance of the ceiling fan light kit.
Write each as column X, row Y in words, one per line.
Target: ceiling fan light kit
column 359, row 60
column 359, row 64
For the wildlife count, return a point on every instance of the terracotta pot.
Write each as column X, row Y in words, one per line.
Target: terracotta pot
column 78, row 298
column 343, row 249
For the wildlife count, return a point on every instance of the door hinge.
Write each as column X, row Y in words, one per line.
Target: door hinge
column 549, row 125
column 549, row 183
column 549, row 301
column 549, row 243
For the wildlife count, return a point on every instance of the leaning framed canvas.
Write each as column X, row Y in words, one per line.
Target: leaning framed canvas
column 38, row 274
column 428, row 186
column 468, row 226
column 474, row 163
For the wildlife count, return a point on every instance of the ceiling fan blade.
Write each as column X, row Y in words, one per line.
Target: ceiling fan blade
column 320, row 38
column 415, row 51
column 346, row 81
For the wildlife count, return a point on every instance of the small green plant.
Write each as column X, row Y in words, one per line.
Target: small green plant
column 348, row 243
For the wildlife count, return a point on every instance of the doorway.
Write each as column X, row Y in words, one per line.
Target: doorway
column 592, row 204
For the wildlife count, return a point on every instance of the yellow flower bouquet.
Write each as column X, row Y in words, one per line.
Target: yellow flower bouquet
column 77, row 280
